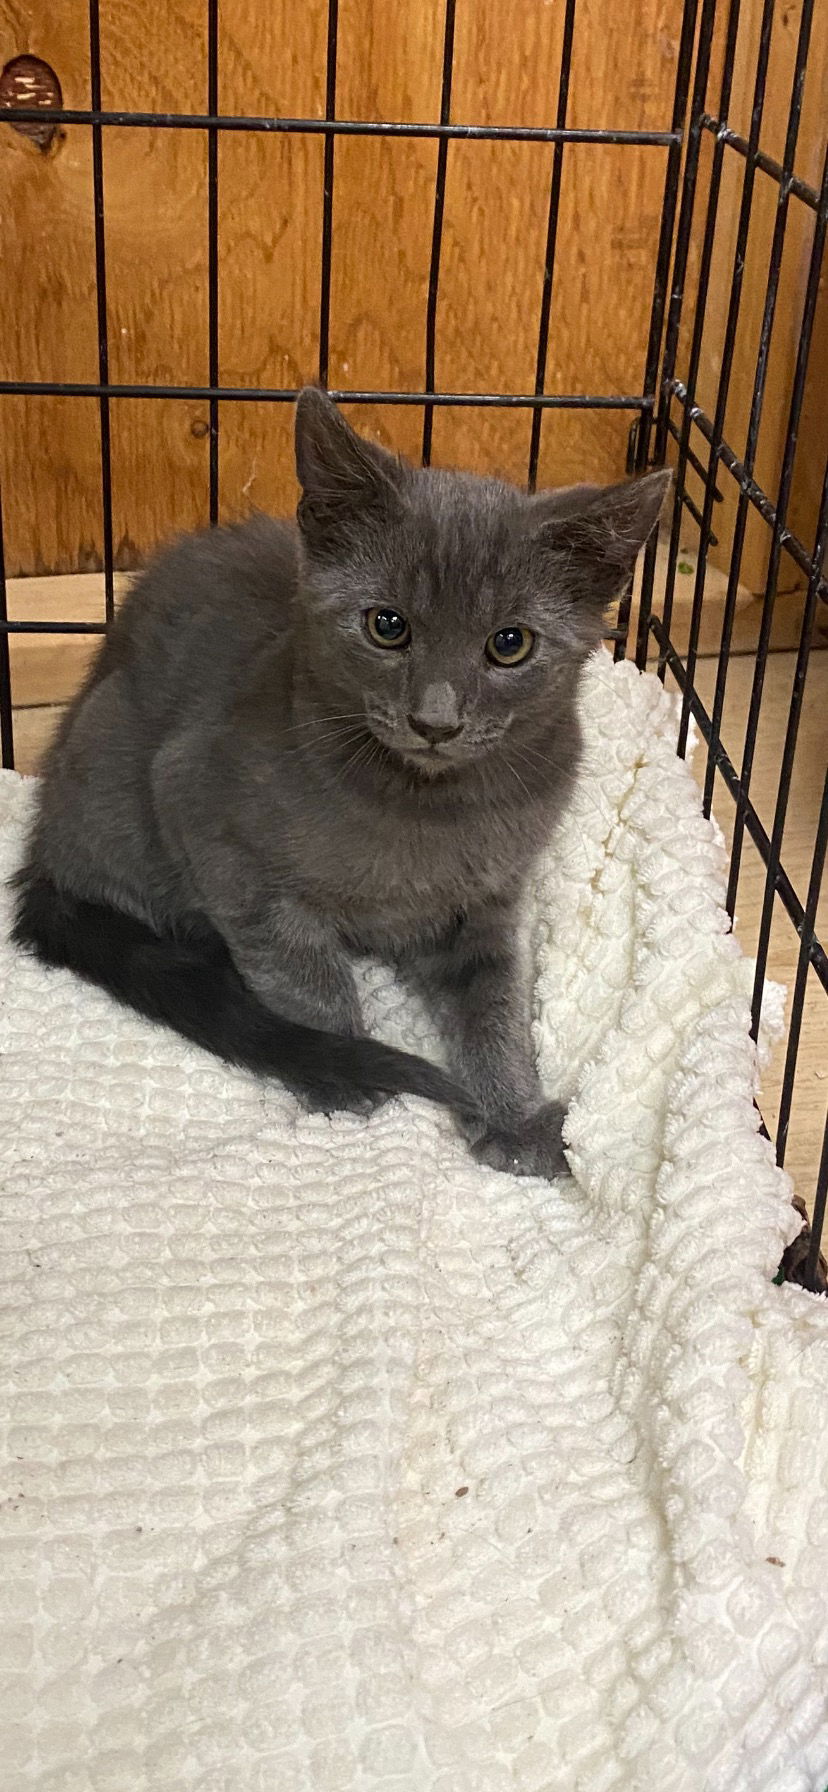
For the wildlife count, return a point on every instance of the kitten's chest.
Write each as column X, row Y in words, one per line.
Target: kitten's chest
column 389, row 877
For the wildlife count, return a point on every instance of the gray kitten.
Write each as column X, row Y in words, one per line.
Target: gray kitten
column 301, row 745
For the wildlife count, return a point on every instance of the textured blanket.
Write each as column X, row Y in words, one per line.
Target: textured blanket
column 336, row 1462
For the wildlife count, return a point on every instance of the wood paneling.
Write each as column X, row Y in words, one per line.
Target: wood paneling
column 48, row 447
column 272, row 59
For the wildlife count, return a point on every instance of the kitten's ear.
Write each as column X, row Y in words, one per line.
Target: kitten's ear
column 598, row 532
column 346, row 481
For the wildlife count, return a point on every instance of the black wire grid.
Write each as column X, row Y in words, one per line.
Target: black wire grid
column 664, row 411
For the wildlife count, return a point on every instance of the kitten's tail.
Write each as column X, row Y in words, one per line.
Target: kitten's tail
column 189, row 982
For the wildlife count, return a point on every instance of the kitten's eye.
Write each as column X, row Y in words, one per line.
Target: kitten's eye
column 387, row 628
column 508, row 646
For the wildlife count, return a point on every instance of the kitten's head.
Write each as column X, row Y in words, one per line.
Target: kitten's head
column 449, row 611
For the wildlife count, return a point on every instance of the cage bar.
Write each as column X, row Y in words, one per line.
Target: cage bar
column 328, row 192
column 437, row 230
column 787, row 766
column 816, row 561
column 334, row 127
column 682, row 248
column 812, row 1278
column 100, row 299
column 759, row 382
column 806, row 941
column 571, row 401
column 731, row 328
column 213, row 254
column 551, row 242
column 6, row 713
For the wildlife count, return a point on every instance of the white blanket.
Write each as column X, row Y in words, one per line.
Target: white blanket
column 334, row 1462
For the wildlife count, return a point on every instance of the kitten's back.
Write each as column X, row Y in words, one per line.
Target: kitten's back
column 202, row 610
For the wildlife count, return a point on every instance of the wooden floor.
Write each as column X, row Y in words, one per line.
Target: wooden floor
column 34, row 724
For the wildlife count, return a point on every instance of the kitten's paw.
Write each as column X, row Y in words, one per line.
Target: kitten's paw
column 323, row 1099
column 533, row 1148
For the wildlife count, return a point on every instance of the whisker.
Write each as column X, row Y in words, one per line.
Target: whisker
column 358, row 754
column 509, row 766
column 532, row 757
column 373, row 755
column 341, row 735
column 352, row 715
column 585, row 762
column 348, row 728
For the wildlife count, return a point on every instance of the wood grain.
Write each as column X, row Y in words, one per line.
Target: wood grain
column 47, row 669
column 48, row 447
column 272, row 59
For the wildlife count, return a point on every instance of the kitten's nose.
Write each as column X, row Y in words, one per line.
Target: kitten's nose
column 434, row 732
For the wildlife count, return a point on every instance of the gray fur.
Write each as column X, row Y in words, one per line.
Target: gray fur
column 242, row 749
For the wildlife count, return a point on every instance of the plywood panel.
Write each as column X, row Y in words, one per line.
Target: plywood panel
column 601, row 301
column 256, row 465
column 272, row 58
column 47, row 669
column 389, row 59
column 155, row 183
column 47, row 315
column 156, row 235
column 495, row 234
column 160, row 478
column 610, row 216
column 490, row 296
column 505, row 77
column 495, row 230
column 156, row 229
column 624, row 64
column 389, row 67
column 270, row 210
column 50, row 476
column 781, row 64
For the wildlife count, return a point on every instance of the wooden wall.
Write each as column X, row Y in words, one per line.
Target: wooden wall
column 272, row 59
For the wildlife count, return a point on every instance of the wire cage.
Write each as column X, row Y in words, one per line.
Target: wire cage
column 672, row 418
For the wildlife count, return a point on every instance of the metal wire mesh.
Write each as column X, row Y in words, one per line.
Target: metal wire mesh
column 702, row 445
column 669, row 420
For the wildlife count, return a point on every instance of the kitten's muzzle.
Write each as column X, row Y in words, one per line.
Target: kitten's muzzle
column 436, row 733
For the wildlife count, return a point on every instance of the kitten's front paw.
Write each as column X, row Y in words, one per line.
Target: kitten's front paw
column 324, row 1098
column 533, row 1148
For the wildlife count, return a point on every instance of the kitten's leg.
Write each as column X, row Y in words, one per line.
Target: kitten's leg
column 476, row 981
column 294, row 962
column 296, row 966
column 299, row 970
column 287, row 956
